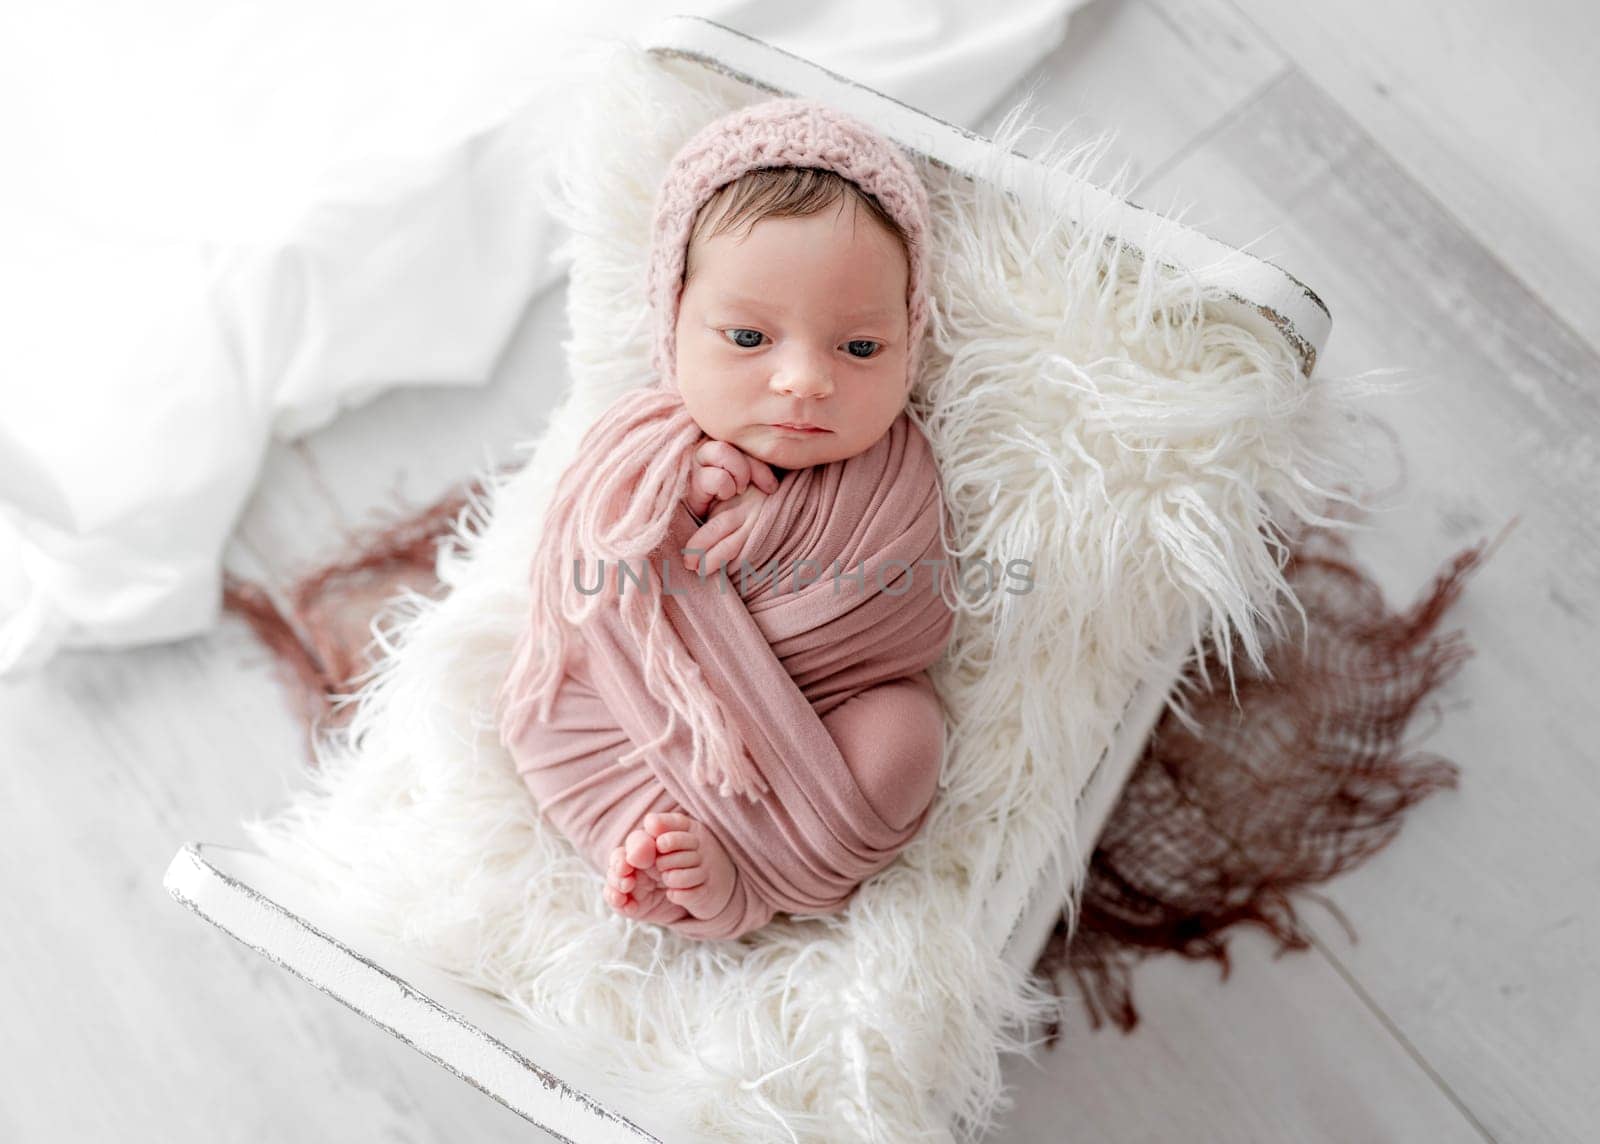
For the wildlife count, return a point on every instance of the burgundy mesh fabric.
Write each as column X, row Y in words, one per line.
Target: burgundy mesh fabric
column 1309, row 775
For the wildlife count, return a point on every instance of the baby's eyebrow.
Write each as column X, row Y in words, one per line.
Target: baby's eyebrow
column 769, row 304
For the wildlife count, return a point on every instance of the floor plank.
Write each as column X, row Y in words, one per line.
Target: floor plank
column 1476, row 926
column 1156, row 76
column 1492, row 107
column 129, row 1018
column 1281, row 1050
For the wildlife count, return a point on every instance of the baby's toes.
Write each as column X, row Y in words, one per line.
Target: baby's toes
column 680, row 870
column 658, row 823
column 619, row 901
column 620, row 872
column 639, row 848
column 676, row 842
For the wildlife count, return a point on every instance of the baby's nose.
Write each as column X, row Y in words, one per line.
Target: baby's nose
column 803, row 380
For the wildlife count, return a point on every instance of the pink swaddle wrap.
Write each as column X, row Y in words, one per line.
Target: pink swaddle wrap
column 824, row 689
column 790, row 713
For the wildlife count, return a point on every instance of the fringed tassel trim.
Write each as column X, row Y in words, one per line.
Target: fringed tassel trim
column 615, row 504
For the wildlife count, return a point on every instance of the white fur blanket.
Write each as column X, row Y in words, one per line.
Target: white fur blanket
column 1090, row 412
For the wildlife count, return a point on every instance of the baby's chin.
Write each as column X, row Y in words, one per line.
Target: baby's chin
column 785, row 451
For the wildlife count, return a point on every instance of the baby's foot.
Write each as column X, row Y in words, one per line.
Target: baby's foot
column 691, row 865
column 636, row 892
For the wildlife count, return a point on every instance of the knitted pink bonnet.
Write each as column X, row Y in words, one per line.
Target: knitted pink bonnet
column 780, row 133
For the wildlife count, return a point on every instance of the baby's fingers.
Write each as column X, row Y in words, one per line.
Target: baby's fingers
column 724, row 551
column 761, row 473
column 752, row 470
column 721, row 455
column 709, row 483
column 743, row 468
column 705, row 539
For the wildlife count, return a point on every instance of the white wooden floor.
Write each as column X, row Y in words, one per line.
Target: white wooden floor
column 1430, row 169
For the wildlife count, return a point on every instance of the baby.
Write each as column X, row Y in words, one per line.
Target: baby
column 792, row 348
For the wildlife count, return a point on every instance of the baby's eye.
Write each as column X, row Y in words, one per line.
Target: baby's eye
column 742, row 344
column 863, row 342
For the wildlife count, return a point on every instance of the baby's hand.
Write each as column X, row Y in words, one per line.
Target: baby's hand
column 719, row 540
column 722, row 471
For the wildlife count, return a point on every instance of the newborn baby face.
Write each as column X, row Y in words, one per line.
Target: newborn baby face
column 799, row 320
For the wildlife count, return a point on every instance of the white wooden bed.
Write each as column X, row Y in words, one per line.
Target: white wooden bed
column 472, row 1033
column 485, row 1043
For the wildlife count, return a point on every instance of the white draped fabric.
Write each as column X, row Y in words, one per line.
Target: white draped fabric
column 225, row 222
